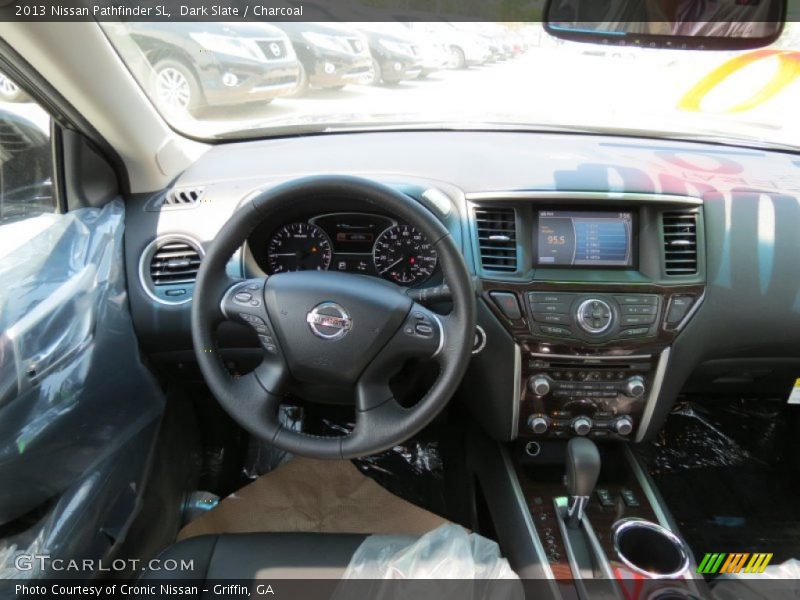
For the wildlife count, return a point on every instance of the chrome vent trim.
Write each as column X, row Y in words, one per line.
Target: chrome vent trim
column 680, row 242
column 168, row 266
column 174, row 262
column 497, row 238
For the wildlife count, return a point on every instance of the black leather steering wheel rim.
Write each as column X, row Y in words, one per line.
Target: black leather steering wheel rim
column 381, row 423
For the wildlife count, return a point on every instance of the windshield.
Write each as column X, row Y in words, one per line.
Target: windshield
column 250, row 80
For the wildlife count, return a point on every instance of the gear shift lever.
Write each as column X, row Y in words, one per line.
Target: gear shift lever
column 583, row 468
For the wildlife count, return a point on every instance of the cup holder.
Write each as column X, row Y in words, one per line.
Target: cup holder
column 650, row 549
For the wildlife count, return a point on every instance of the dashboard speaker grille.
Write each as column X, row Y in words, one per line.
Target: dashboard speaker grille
column 497, row 238
column 174, row 262
column 680, row 243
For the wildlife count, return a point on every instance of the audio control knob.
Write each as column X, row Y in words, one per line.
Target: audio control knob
column 540, row 385
column 538, row 424
column 635, row 386
column 623, row 425
column 594, row 316
column 582, row 425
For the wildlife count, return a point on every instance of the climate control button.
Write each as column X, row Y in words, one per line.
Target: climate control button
column 538, row 424
column 635, row 387
column 539, row 385
column 582, row 425
column 623, row 425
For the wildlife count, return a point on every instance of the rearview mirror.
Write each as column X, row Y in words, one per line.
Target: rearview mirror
column 683, row 24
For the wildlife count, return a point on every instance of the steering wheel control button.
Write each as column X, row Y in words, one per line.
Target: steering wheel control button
column 508, row 304
column 424, row 330
column 329, row 321
column 252, row 319
column 594, row 316
column 242, row 297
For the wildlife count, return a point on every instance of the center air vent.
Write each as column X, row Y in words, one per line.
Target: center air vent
column 169, row 268
column 497, row 238
column 680, row 243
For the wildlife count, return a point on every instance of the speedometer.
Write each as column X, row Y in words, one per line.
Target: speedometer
column 403, row 255
column 298, row 247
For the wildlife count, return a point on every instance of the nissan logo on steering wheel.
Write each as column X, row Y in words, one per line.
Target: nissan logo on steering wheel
column 329, row 321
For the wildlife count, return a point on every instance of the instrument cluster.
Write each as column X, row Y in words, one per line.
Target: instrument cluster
column 365, row 243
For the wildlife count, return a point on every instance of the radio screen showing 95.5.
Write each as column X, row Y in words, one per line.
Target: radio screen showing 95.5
column 586, row 239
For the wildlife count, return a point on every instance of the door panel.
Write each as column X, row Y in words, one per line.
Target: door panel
column 79, row 412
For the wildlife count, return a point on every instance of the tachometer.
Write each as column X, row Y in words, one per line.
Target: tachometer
column 298, row 247
column 403, row 255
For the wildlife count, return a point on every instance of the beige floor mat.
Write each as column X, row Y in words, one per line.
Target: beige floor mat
column 314, row 495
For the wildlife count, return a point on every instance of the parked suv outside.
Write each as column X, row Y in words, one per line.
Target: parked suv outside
column 330, row 55
column 433, row 50
column 195, row 65
column 395, row 54
column 466, row 48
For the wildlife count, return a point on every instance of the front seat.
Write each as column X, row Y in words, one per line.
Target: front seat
column 247, row 556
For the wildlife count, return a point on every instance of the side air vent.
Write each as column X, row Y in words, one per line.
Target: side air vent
column 176, row 198
column 174, row 262
column 680, row 243
column 183, row 196
column 168, row 269
column 497, row 238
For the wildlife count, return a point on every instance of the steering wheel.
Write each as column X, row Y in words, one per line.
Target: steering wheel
column 332, row 328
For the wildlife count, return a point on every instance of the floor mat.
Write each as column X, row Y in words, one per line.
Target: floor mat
column 729, row 477
column 314, row 495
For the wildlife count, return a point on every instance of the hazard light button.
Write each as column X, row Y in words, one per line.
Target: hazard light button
column 507, row 303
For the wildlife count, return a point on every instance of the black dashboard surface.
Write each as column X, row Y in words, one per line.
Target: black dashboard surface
column 751, row 203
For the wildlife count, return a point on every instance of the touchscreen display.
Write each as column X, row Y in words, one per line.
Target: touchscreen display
column 585, row 239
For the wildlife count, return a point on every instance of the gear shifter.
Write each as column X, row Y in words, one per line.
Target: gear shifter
column 583, row 468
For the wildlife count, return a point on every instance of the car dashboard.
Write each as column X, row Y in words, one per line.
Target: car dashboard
column 608, row 268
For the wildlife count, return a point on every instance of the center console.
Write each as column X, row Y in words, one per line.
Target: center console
column 593, row 289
